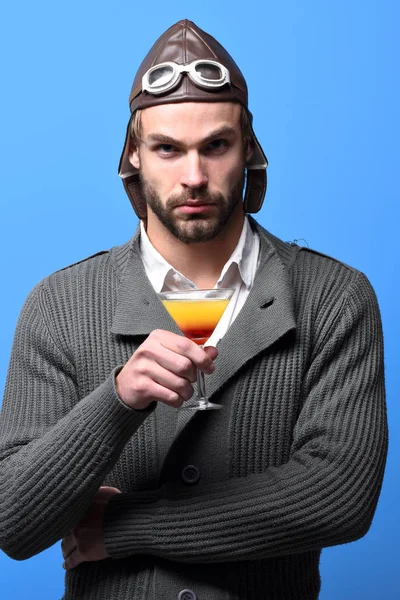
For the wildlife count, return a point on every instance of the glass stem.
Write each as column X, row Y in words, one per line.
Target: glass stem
column 201, row 386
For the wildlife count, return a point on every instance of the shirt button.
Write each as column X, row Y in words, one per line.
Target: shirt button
column 187, row 595
column 190, row 474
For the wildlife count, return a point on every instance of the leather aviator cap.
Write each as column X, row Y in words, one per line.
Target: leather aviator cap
column 182, row 44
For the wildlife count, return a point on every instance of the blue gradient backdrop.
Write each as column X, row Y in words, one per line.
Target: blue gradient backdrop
column 324, row 91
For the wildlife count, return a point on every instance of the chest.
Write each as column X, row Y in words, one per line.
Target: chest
column 253, row 431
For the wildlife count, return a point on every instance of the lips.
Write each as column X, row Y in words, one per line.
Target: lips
column 192, row 207
column 195, row 203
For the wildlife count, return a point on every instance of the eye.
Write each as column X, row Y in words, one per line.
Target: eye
column 217, row 146
column 165, row 149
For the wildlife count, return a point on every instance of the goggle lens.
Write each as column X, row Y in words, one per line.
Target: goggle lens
column 209, row 72
column 161, row 76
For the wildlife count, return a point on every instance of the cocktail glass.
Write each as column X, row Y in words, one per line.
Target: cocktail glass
column 197, row 313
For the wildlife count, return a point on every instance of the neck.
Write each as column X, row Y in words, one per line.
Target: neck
column 201, row 262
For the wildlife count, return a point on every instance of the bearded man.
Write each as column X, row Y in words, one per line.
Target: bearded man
column 154, row 502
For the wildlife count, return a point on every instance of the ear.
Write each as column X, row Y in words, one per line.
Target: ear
column 249, row 150
column 134, row 156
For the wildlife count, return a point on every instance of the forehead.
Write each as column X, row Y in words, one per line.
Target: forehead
column 188, row 120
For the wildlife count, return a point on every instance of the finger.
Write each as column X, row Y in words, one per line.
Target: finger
column 211, row 352
column 170, row 381
column 68, row 545
column 152, row 390
column 186, row 348
column 156, row 354
column 73, row 560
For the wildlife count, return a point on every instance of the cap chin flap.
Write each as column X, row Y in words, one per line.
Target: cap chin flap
column 134, row 189
column 256, row 186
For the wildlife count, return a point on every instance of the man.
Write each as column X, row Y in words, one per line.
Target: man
column 152, row 502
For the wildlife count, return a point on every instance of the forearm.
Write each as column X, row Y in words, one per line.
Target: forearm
column 47, row 484
column 309, row 503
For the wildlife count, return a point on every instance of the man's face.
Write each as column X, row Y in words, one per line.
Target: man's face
column 191, row 160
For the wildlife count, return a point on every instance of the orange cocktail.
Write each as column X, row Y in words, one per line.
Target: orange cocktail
column 197, row 312
column 197, row 319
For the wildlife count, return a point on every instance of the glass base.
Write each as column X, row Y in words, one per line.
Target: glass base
column 201, row 405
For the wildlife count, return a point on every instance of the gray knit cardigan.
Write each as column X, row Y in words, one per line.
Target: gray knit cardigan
column 292, row 463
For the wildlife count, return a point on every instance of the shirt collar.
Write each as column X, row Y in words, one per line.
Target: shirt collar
column 243, row 256
column 156, row 267
column 159, row 270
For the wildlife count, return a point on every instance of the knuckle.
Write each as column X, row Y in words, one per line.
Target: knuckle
column 183, row 364
column 181, row 385
column 155, row 333
column 174, row 399
column 157, row 336
column 183, row 389
column 140, row 386
column 183, row 344
column 142, row 354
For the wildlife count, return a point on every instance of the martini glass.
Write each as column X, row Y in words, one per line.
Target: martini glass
column 197, row 312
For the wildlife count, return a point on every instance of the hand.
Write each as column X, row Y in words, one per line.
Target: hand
column 86, row 542
column 162, row 369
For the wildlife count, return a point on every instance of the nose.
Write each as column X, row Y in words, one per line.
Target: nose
column 194, row 175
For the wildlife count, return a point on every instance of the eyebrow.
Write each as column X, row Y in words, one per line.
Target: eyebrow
column 166, row 139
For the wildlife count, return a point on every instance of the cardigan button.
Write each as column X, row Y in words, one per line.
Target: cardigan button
column 187, row 595
column 190, row 474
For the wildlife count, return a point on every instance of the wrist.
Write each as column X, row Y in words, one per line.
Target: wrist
column 120, row 389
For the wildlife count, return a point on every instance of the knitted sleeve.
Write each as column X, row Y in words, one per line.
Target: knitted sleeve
column 55, row 448
column 324, row 495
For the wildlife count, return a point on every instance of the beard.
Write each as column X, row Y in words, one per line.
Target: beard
column 192, row 228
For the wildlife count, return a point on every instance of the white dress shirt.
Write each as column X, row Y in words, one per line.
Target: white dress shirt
column 238, row 273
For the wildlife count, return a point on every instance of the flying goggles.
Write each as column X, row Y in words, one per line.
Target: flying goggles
column 204, row 73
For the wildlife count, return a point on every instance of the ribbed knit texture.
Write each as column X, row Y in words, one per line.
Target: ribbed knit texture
column 293, row 463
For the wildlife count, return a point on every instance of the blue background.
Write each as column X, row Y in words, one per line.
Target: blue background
column 324, row 91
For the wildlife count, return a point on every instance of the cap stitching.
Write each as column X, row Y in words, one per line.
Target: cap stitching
column 162, row 44
column 184, row 45
column 204, row 42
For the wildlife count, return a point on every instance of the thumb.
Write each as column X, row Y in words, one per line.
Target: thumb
column 211, row 351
